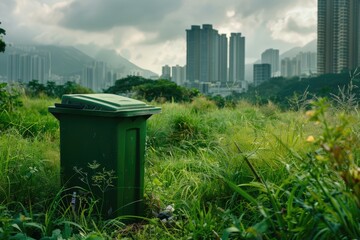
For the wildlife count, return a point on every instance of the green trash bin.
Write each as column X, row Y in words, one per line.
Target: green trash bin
column 102, row 146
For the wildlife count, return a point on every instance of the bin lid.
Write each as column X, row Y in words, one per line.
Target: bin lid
column 103, row 104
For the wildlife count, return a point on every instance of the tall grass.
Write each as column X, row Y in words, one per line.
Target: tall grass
column 237, row 172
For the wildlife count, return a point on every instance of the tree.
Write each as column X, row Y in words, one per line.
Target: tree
column 2, row 43
column 50, row 89
column 35, row 87
column 127, row 84
column 9, row 98
column 162, row 89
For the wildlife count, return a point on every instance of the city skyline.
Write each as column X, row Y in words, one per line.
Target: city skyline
column 157, row 37
column 338, row 39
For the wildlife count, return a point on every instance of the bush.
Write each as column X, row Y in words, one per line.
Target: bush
column 9, row 97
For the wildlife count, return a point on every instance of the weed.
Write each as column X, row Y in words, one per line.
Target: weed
column 318, row 199
column 346, row 99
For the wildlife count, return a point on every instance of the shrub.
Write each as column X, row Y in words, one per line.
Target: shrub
column 320, row 196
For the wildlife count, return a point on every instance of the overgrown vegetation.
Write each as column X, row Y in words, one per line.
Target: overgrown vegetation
column 2, row 43
column 283, row 91
column 35, row 89
column 150, row 90
column 229, row 171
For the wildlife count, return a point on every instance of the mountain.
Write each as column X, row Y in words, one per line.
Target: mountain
column 309, row 47
column 68, row 60
column 120, row 63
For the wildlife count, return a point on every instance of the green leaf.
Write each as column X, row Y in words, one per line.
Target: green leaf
column 243, row 193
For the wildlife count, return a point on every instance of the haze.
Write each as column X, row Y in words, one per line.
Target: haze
column 152, row 33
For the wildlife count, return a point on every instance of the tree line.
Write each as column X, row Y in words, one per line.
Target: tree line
column 152, row 90
column 287, row 92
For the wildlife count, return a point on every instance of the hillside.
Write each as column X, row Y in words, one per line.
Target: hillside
column 309, row 47
column 68, row 60
column 279, row 90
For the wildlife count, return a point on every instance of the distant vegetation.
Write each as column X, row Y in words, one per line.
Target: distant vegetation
column 152, row 90
column 51, row 89
column 2, row 43
column 287, row 92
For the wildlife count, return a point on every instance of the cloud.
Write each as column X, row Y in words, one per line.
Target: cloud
column 152, row 33
column 295, row 26
column 95, row 15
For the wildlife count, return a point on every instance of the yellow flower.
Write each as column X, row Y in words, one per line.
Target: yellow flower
column 355, row 174
column 310, row 139
column 320, row 158
column 310, row 113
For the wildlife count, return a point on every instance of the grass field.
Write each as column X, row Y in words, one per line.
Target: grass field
column 240, row 172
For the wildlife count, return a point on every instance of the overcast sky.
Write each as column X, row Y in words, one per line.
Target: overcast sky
column 151, row 33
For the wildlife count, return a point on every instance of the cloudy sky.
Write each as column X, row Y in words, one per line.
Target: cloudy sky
column 151, row 33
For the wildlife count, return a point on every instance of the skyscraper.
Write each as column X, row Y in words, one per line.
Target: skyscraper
column 178, row 74
column 237, row 58
column 262, row 73
column 25, row 68
column 38, row 68
column 209, row 54
column 13, row 71
column 271, row 56
column 206, row 54
column 338, row 33
column 223, row 59
column 193, row 53
column 166, row 72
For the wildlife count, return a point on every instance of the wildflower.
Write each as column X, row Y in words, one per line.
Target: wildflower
column 310, row 139
column 310, row 113
column 320, row 158
column 355, row 174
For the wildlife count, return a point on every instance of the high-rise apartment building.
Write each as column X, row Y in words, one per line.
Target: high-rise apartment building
column 166, row 72
column 262, row 73
column 178, row 74
column 223, row 59
column 290, row 67
column 13, row 71
column 94, row 76
column 209, row 54
column 38, row 68
column 206, row 54
column 193, row 38
column 237, row 58
column 25, row 68
column 338, row 33
column 308, row 62
column 29, row 66
column 88, row 77
column 303, row 64
column 271, row 56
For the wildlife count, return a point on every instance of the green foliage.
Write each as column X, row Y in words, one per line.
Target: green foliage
column 281, row 91
column 9, row 98
column 35, row 89
column 347, row 97
column 319, row 198
column 125, row 85
column 271, row 184
column 32, row 120
column 2, row 43
column 153, row 90
column 165, row 90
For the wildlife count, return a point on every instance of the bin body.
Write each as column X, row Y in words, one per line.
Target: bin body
column 113, row 140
